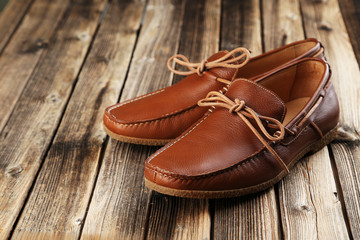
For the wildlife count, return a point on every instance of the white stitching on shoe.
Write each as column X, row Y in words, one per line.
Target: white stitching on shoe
column 177, row 140
column 150, row 121
column 135, row 99
column 257, row 85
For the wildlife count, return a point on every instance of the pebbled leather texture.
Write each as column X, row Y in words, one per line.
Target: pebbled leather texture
column 166, row 113
column 220, row 153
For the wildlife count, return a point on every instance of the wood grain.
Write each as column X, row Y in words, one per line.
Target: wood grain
column 119, row 206
column 350, row 10
column 324, row 196
column 254, row 216
column 323, row 20
column 10, row 18
column 200, row 36
column 29, row 131
column 241, row 25
column 347, row 162
column 171, row 217
column 282, row 23
column 250, row 217
column 21, row 55
column 78, row 184
column 120, row 201
column 301, row 192
column 178, row 218
column 71, row 165
column 309, row 202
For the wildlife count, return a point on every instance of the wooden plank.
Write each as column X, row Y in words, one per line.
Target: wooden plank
column 21, row 55
column 350, row 10
column 282, row 23
column 302, row 216
column 254, row 216
column 200, row 36
column 27, row 135
column 178, row 218
column 169, row 218
column 323, row 20
column 249, row 217
column 10, row 18
column 114, row 213
column 120, row 202
column 309, row 201
column 324, row 195
column 71, row 166
column 241, row 25
column 347, row 157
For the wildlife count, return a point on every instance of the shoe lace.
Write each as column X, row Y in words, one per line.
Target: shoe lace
column 225, row 61
column 244, row 112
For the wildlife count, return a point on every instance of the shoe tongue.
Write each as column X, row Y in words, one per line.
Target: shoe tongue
column 226, row 73
column 257, row 97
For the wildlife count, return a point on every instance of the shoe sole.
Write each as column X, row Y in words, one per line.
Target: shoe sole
column 328, row 138
column 141, row 141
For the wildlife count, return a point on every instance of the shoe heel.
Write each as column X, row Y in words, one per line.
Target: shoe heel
column 328, row 138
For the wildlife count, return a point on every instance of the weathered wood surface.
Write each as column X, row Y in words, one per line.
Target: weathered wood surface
column 324, row 21
column 73, row 160
column 241, row 25
column 311, row 180
column 28, row 133
column 351, row 14
column 177, row 218
column 10, row 18
column 348, row 169
column 62, row 178
column 114, row 213
column 249, row 217
column 19, row 58
column 309, row 201
column 282, row 23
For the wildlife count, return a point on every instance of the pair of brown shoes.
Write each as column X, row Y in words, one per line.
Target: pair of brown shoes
column 235, row 125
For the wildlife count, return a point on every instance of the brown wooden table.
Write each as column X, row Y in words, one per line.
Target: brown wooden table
column 62, row 62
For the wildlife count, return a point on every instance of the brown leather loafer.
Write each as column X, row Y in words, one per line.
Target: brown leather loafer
column 251, row 136
column 151, row 120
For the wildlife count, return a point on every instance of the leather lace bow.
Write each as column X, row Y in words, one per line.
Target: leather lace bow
column 244, row 112
column 227, row 61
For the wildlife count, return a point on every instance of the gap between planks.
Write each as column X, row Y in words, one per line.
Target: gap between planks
column 127, row 159
column 40, row 157
column 97, row 62
column 14, row 13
